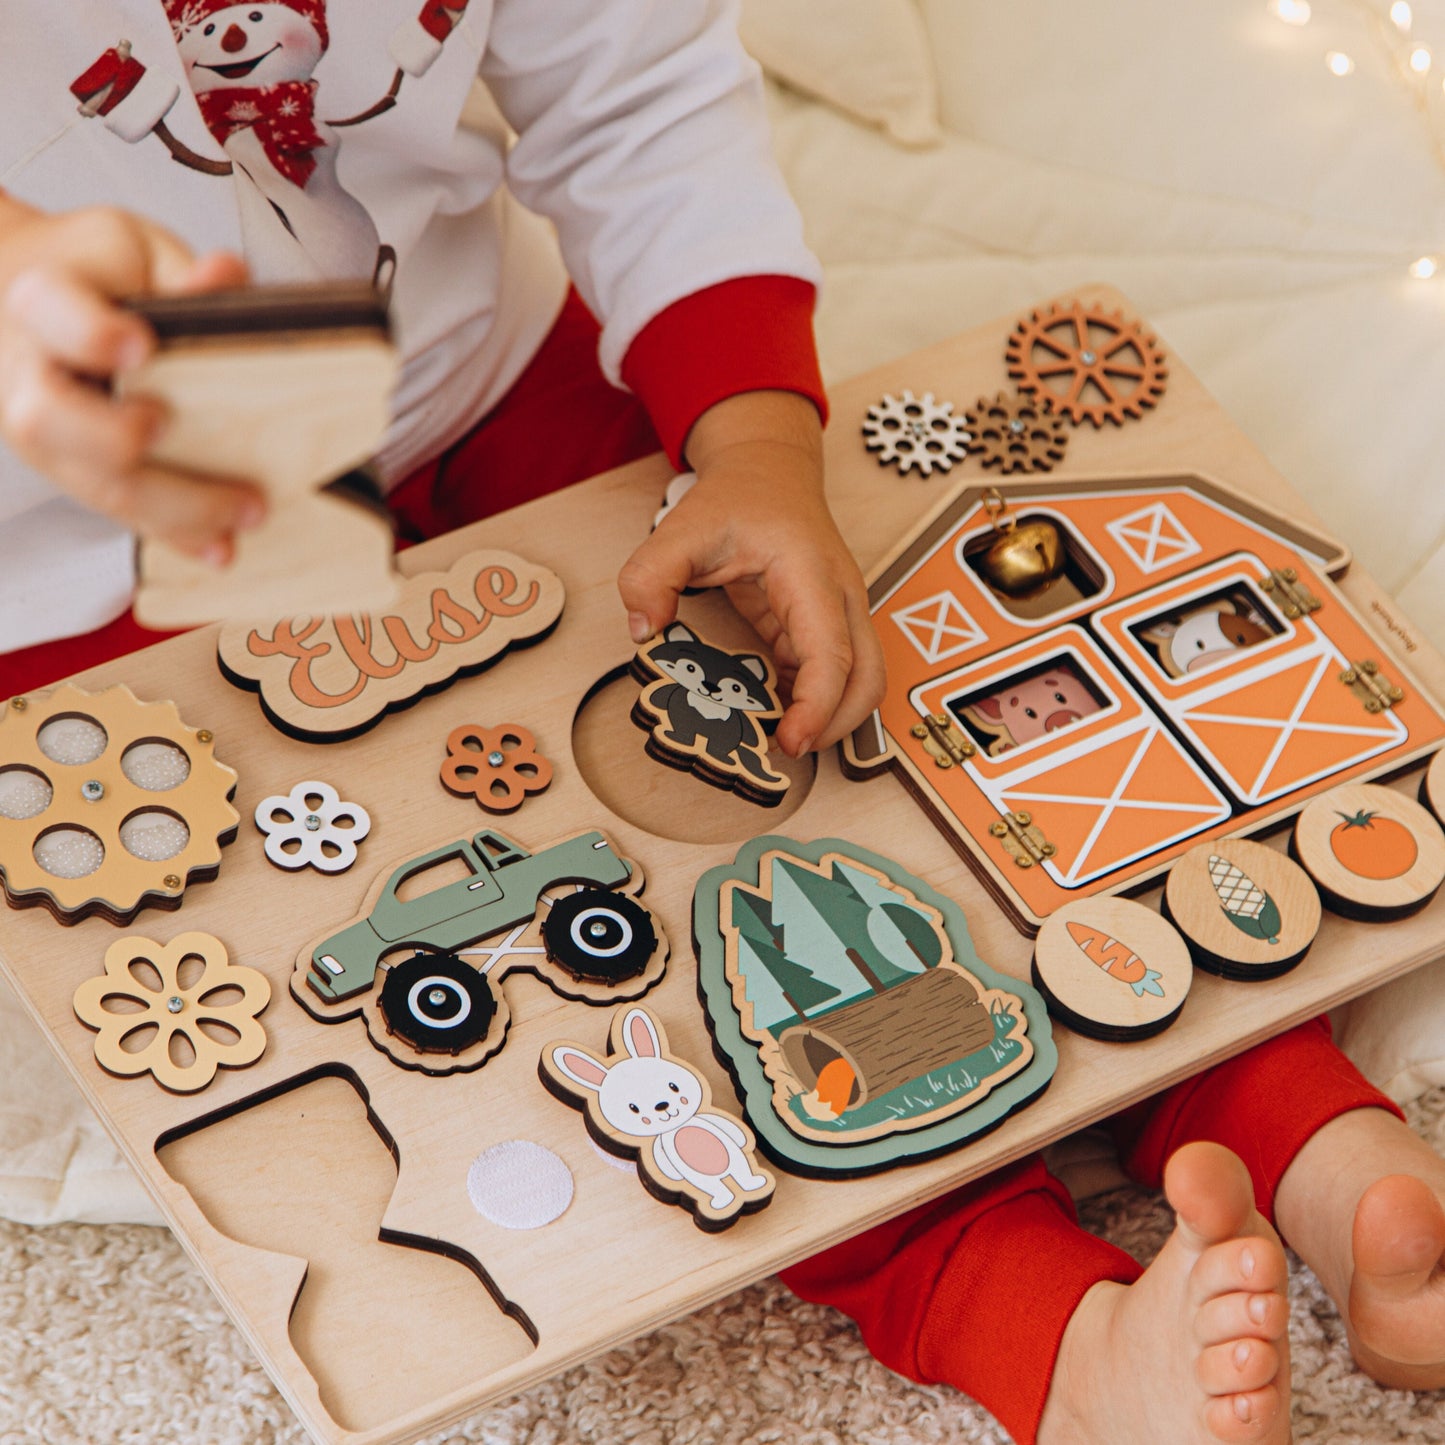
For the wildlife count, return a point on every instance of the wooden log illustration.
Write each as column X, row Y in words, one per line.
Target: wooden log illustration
column 874, row 1045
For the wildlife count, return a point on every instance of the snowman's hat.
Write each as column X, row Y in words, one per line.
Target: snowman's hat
column 185, row 15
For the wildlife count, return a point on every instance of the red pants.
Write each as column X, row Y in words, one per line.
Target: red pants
column 974, row 1289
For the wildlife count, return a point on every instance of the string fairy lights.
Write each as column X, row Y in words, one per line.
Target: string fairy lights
column 1410, row 64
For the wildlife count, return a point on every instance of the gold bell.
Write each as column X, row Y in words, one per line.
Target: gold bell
column 1024, row 557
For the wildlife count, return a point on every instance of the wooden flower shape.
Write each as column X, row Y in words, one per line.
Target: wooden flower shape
column 324, row 830
column 180, row 1032
column 497, row 766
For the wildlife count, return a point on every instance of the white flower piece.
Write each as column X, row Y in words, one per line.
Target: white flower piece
column 312, row 816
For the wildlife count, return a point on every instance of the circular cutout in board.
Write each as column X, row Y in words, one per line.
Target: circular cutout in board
column 1246, row 911
column 1432, row 786
column 1374, row 854
column 1112, row 969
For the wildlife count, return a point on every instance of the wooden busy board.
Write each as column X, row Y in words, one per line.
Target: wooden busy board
column 280, row 1177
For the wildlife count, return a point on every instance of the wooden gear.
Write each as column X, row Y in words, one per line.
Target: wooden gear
column 184, row 1053
column 1017, row 433
column 1373, row 853
column 707, row 1146
column 289, row 387
column 1069, row 351
column 500, row 771
column 910, row 431
column 1112, row 968
column 97, row 798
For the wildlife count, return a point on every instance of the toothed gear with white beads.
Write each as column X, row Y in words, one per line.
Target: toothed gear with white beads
column 916, row 431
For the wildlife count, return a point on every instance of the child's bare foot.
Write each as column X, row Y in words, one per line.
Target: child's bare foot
column 1364, row 1205
column 1197, row 1351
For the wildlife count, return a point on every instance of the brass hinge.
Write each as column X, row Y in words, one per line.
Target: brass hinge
column 1295, row 600
column 1022, row 839
column 942, row 740
column 1371, row 686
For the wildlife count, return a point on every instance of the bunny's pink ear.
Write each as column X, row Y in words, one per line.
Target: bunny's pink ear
column 639, row 1033
column 579, row 1067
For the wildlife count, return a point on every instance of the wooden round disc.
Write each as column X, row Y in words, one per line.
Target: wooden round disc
column 1372, row 852
column 1432, row 786
column 1112, row 968
column 1245, row 910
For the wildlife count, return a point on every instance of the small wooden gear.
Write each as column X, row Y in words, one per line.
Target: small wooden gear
column 1372, row 853
column 1017, row 433
column 1246, row 911
column 915, row 431
column 181, row 1052
column 107, row 804
column 1087, row 363
column 499, row 767
column 1112, row 968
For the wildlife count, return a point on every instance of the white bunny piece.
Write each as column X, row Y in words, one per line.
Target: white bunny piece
column 644, row 1104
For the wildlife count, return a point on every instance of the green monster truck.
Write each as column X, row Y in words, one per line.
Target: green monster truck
column 438, row 1002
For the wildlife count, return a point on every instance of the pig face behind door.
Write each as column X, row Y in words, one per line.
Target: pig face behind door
column 1027, row 708
column 1204, row 635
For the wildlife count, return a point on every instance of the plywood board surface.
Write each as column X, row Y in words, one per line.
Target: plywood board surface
column 514, row 1306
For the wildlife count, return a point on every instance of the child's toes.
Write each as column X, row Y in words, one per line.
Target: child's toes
column 1236, row 1367
column 1242, row 1315
column 1252, row 1265
column 1241, row 1419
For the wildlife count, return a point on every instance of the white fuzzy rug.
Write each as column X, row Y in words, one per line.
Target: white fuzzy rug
column 108, row 1337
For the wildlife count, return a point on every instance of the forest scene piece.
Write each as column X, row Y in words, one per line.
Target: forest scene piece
column 860, row 998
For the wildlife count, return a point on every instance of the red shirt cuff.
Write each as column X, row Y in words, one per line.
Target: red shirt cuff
column 754, row 333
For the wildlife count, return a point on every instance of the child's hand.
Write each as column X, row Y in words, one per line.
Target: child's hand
column 62, row 339
column 756, row 523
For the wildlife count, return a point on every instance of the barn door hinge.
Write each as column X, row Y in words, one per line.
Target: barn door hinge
column 1371, row 686
column 1023, row 840
column 943, row 740
column 1294, row 598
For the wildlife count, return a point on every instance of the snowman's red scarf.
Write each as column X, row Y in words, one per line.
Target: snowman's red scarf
column 282, row 115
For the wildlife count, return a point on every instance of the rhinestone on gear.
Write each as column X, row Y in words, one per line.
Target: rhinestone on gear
column 916, row 431
column 1087, row 363
column 1016, row 434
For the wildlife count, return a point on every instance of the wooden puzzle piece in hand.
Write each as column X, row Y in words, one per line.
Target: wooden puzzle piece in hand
column 705, row 709
column 441, row 931
column 645, row 1104
column 846, row 999
column 108, row 805
column 289, row 387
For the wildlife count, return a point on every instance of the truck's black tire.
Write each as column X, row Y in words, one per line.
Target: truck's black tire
column 599, row 936
column 438, row 1003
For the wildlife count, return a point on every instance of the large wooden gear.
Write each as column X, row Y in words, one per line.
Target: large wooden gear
column 1087, row 363
column 90, row 818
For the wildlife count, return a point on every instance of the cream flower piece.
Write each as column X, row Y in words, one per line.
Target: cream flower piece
column 160, row 1030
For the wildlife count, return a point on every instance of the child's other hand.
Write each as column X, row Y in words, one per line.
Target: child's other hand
column 757, row 524
column 62, row 340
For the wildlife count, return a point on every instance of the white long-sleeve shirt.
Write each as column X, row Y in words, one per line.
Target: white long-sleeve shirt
column 639, row 137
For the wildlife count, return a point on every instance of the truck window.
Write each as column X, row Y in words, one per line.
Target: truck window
column 455, row 868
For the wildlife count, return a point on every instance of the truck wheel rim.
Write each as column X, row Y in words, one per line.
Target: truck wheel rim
column 605, row 921
column 414, row 1002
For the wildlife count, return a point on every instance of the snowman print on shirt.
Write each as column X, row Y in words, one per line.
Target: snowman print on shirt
column 251, row 68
